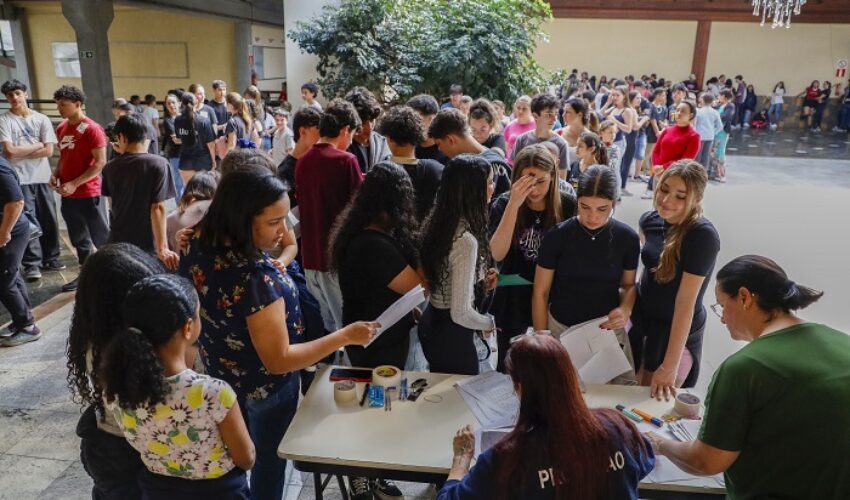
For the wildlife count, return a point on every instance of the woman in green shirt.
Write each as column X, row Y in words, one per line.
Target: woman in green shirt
column 776, row 412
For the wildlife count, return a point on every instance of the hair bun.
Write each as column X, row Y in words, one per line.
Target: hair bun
column 790, row 290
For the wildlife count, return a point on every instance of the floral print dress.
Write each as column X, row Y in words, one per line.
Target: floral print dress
column 232, row 287
column 179, row 437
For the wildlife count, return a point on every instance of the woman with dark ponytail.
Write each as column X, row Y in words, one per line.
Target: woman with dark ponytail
column 588, row 264
column 105, row 279
column 194, row 132
column 187, row 427
column 784, row 393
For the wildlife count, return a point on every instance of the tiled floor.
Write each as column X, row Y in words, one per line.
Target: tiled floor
column 791, row 209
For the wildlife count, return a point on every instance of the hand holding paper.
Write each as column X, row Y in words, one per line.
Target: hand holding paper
column 398, row 310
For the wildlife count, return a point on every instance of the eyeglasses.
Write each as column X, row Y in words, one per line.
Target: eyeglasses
column 717, row 309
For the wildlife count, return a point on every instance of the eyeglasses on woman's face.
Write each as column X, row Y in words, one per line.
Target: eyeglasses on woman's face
column 717, row 309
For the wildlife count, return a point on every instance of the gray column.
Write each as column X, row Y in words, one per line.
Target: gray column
column 90, row 20
column 242, row 40
column 22, row 52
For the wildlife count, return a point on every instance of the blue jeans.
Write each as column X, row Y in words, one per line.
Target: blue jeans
column 774, row 113
column 178, row 179
column 268, row 420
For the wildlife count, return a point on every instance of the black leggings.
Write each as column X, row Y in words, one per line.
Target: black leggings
column 628, row 156
column 448, row 347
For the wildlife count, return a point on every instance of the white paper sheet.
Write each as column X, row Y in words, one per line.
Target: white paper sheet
column 595, row 352
column 491, row 398
column 398, row 310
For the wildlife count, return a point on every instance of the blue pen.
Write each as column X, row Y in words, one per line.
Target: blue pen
column 649, row 418
column 630, row 414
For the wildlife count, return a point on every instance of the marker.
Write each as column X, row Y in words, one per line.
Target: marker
column 365, row 395
column 630, row 414
column 648, row 418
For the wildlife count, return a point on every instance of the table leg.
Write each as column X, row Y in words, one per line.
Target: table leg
column 317, row 485
column 342, row 487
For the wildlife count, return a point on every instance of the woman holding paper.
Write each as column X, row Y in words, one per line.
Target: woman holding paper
column 252, row 329
column 679, row 252
column 518, row 222
column 559, row 447
column 587, row 265
column 456, row 263
column 785, row 392
column 373, row 251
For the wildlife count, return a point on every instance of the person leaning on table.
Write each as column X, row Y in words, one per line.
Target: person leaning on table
column 559, row 448
column 777, row 410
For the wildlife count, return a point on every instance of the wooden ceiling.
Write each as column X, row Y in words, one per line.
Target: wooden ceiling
column 814, row 11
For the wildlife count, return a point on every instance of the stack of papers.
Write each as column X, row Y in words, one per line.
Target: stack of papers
column 491, row 398
column 595, row 352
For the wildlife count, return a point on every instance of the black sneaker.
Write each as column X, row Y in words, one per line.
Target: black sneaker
column 53, row 265
column 32, row 273
column 359, row 488
column 70, row 286
column 24, row 335
column 8, row 331
column 386, row 489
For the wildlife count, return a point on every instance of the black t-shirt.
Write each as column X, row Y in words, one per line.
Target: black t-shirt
column 236, row 125
column 511, row 305
column 431, row 152
column 697, row 256
column 170, row 149
column 362, row 153
column 194, row 142
column 502, row 171
column 496, row 141
column 135, row 181
column 10, row 191
column 425, row 176
column 286, row 172
column 645, row 110
column 575, row 171
column 209, row 113
column 220, row 110
column 588, row 271
column 371, row 262
column 659, row 114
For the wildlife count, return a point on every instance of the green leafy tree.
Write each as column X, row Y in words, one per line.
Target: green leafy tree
column 402, row 47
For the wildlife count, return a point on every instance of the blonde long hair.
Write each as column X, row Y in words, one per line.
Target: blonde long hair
column 695, row 178
column 241, row 110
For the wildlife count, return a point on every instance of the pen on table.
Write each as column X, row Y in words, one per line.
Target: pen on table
column 649, row 418
column 365, row 394
column 630, row 414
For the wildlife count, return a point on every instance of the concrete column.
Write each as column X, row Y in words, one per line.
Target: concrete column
column 22, row 53
column 300, row 67
column 242, row 39
column 90, row 20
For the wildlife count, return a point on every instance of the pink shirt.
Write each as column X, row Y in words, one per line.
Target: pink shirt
column 514, row 130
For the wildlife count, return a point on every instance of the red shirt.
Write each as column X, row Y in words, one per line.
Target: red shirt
column 675, row 143
column 76, row 143
column 325, row 180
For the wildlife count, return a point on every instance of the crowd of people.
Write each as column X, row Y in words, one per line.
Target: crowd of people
column 195, row 332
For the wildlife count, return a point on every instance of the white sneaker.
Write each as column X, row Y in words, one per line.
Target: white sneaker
column 647, row 195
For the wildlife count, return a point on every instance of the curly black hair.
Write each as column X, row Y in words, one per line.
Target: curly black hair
column 105, row 279
column 364, row 102
column 424, row 104
column 155, row 309
column 544, row 101
column 403, row 125
column 11, row 86
column 461, row 201
column 449, row 121
column 305, row 117
column 386, row 197
column 338, row 114
column 71, row 93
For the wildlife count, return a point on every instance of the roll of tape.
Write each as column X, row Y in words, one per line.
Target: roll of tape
column 687, row 405
column 386, row 376
column 345, row 391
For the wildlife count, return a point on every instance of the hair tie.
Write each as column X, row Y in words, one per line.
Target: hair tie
column 135, row 331
column 790, row 288
column 245, row 144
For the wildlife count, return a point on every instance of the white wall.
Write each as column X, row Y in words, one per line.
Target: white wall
column 300, row 67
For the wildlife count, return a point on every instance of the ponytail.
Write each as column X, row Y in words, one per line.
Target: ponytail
column 155, row 308
column 763, row 277
column 187, row 110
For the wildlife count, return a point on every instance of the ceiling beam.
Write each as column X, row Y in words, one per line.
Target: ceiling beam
column 260, row 12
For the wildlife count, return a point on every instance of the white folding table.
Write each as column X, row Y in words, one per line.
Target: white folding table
column 413, row 442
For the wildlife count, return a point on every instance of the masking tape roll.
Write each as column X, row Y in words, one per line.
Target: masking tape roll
column 345, row 391
column 687, row 405
column 386, row 376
